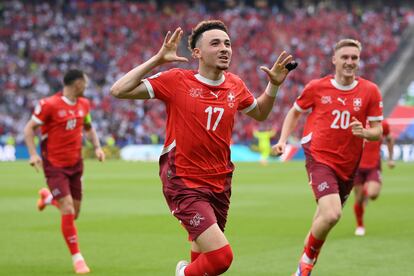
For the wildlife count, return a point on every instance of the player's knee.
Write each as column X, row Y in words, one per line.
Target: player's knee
column 220, row 259
column 333, row 217
column 66, row 208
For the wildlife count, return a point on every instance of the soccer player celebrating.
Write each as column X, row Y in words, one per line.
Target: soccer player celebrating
column 62, row 118
column 334, row 139
column 368, row 180
column 195, row 166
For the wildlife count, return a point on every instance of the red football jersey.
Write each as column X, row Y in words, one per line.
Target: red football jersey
column 200, row 119
column 62, row 124
column 332, row 108
column 371, row 155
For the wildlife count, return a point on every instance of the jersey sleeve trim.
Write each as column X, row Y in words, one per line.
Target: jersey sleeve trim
column 375, row 118
column 251, row 107
column 37, row 120
column 168, row 148
column 306, row 138
column 149, row 88
column 298, row 108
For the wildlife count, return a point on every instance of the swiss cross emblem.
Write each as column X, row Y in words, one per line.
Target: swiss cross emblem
column 231, row 99
column 357, row 104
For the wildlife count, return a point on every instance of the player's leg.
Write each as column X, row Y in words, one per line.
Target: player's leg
column 77, row 206
column 327, row 192
column 360, row 200
column 70, row 233
column 359, row 209
column 195, row 251
column 328, row 213
column 373, row 185
column 76, row 193
column 211, row 252
column 216, row 256
column 373, row 190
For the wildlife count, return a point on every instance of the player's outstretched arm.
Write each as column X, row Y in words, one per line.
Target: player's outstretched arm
column 94, row 139
column 277, row 74
column 289, row 124
column 130, row 86
column 29, row 135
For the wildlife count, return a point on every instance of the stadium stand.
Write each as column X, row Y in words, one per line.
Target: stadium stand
column 40, row 40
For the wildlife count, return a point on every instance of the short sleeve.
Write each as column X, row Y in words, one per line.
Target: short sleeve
column 41, row 112
column 161, row 85
column 305, row 100
column 247, row 101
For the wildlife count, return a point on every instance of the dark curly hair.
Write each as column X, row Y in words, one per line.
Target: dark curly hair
column 202, row 27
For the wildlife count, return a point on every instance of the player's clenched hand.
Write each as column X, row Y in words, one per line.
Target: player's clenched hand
column 279, row 149
column 168, row 51
column 100, row 154
column 278, row 72
column 357, row 128
column 36, row 162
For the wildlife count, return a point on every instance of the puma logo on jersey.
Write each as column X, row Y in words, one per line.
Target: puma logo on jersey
column 215, row 94
column 341, row 100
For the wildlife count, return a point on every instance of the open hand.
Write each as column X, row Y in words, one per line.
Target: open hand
column 168, row 51
column 278, row 72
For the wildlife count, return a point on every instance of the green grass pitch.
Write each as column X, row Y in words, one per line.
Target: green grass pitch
column 125, row 227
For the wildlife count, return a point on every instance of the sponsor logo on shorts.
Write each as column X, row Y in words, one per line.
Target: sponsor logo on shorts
column 323, row 186
column 196, row 220
column 55, row 192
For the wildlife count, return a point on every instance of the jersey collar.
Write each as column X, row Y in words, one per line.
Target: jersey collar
column 208, row 81
column 344, row 87
column 66, row 100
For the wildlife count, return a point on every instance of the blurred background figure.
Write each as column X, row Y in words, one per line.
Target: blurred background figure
column 368, row 178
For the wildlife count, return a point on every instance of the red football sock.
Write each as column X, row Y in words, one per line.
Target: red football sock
column 194, row 255
column 70, row 233
column 313, row 246
column 359, row 214
column 211, row 263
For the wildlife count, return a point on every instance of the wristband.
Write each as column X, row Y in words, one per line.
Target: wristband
column 272, row 91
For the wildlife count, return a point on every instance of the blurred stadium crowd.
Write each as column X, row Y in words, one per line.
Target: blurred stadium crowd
column 40, row 40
